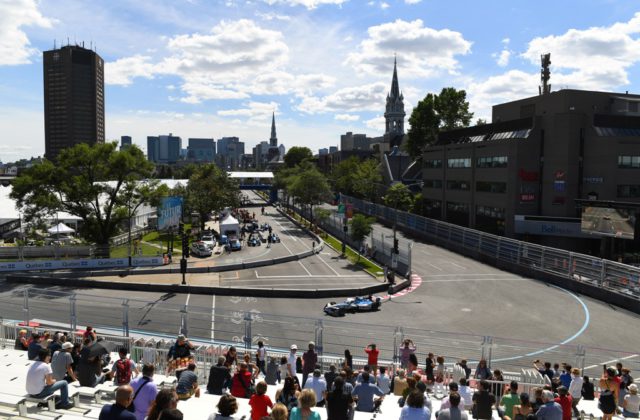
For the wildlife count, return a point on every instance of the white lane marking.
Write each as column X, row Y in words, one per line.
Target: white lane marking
column 477, row 274
column 341, row 282
column 213, row 317
column 457, row 265
column 283, row 231
column 612, row 361
column 187, row 301
column 327, row 264
column 258, row 276
column 472, row 279
column 305, row 268
column 437, row 268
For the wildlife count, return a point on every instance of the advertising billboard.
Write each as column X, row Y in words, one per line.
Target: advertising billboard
column 608, row 221
column 169, row 213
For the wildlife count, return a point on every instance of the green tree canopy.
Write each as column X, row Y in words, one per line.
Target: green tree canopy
column 453, row 109
column 367, row 179
column 210, row 190
column 77, row 184
column 296, row 155
column 399, row 197
column 361, row 227
column 342, row 176
column 309, row 186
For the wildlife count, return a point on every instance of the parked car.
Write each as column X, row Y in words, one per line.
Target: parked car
column 253, row 241
column 224, row 239
column 200, row 249
column 208, row 240
column 235, row 245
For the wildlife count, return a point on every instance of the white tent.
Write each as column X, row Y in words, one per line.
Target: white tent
column 229, row 226
column 60, row 229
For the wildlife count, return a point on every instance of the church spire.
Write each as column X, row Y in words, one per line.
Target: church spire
column 273, row 140
column 394, row 112
column 395, row 88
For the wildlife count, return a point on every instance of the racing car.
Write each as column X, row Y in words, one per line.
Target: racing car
column 352, row 305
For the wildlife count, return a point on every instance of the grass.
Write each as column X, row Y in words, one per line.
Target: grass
column 122, row 251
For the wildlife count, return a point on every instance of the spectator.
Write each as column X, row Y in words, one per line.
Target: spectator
column 467, row 370
column 298, row 365
column 383, row 380
column 537, row 399
column 171, row 414
column 399, row 383
column 609, row 382
column 271, row 376
column 291, row 360
column 21, row 341
column 230, row 357
column 496, row 387
column 367, row 369
column 465, row 393
column 414, row 408
column 288, row 395
column 219, row 377
column 144, row 391
column 483, row 401
column 55, row 344
column 90, row 334
column 34, row 346
column 279, row 412
column 348, row 359
column 89, row 370
column 338, row 403
column 511, row 399
column 565, row 376
column 412, row 365
column 283, row 369
column 440, row 369
column 545, row 370
column 40, row 382
column 556, row 370
column 123, row 368
column 482, row 371
column 304, row 411
column 118, row 410
column 365, row 392
column 550, row 409
column 75, row 355
column 181, row 348
column 259, row 402
column 565, row 401
column 575, row 390
column 62, row 364
column 330, row 376
column 587, row 389
column 626, row 380
column 309, row 361
column 631, row 403
column 241, row 382
column 252, row 367
column 227, row 407
column 455, row 411
column 318, row 385
column 522, row 410
column 188, row 383
column 407, row 349
column 166, row 398
column 372, row 357
column 430, row 362
column 261, row 357
column 446, row 402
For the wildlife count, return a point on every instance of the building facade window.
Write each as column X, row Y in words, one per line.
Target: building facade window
column 492, row 162
column 459, row 163
column 488, row 211
column 629, row 191
column 433, row 183
column 433, row 163
column 457, row 207
column 432, row 208
column 458, row 185
column 491, row 187
column 629, row 162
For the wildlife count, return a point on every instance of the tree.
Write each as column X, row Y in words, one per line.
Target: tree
column 361, row 227
column 481, row 121
column 310, row 187
column 424, row 122
column 453, row 109
column 367, row 179
column 87, row 182
column 342, row 177
column 296, row 155
column 399, row 197
column 210, row 190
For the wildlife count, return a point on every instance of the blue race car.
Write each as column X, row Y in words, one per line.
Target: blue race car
column 352, row 305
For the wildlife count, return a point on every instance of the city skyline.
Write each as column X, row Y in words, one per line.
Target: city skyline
column 209, row 69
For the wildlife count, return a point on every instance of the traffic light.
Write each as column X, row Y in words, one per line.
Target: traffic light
column 396, row 248
column 185, row 246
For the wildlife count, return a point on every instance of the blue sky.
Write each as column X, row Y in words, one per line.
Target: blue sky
column 200, row 68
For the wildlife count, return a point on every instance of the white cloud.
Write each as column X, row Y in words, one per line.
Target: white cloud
column 254, row 113
column 512, row 85
column 506, row 41
column 384, row 5
column 369, row 97
column 377, row 123
column 412, row 1
column 503, row 58
column 124, row 70
column 422, row 51
column 309, row 4
column 272, row 16
column 346, row 117
column 15, row 47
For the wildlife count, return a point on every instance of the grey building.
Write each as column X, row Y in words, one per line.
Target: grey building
column 333, row 149
column 125, row 141
column 164, row 149
column 323, row 151
column 521, row 175
column 229, row 153
column 350, row 141
column 201, row 150
column 73, row 98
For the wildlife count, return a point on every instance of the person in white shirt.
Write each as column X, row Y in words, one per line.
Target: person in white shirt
column 261, row 357
column 291, row 361
column 454, row 412
column 446, row 402
column 40, row 381
column 383, row 380
column 318, row 385
column 466, row 394
column 575, row 390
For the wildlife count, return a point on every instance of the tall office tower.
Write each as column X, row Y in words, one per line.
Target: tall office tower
column 125, row 141
column 73, row 98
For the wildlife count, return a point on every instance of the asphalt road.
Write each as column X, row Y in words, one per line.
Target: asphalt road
column 458, row 302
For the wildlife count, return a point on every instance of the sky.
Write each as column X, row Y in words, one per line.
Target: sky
column 201, row 68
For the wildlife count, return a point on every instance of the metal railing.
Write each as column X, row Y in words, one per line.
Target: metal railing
column 606, row 274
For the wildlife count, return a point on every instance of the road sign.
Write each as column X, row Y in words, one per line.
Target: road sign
column 341, row 208
column 394, row 261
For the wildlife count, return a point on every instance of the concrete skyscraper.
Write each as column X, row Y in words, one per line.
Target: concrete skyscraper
column 73, row 98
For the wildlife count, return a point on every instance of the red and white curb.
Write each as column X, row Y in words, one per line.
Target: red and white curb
column 416, row 281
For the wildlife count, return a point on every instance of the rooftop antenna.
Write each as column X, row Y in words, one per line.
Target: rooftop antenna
column 545, row 74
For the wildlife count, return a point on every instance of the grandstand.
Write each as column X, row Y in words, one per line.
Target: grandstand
column 16, row 404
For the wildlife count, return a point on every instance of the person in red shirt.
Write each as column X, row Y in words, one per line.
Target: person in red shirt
column 372, row 357
column 259, row 402
column 241, row 382
column 565, row 400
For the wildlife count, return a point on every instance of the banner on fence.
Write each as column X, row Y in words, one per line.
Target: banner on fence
column 169, row 213
column 83, row 264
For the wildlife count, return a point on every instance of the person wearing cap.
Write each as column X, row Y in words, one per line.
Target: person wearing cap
column 291, row 360
column 631, row 403
column 318, row 385
column 575, row 390
column 21, row 341
column 181, row 349
column 62, row 362
column 309, row 362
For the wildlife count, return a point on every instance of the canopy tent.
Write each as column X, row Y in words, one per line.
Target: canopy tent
column 60, row 229
column 229, row 226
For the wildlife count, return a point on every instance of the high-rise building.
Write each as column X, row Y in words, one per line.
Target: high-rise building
column 164, row 149
column 73, row 98
column 201, row 150
column 323, row 151
column 230, row 151
column 125, row 141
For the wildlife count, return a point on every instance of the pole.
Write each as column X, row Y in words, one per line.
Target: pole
column 125, row 317
column 410, row 259
column 25, row 307
column 73, row 319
